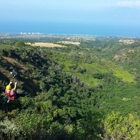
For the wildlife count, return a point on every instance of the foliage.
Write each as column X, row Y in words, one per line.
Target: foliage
column 19, row 43
column 72, row 91
column 121, row 127
column 9, row 129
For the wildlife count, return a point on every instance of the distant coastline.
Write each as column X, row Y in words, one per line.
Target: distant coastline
column 80, row 29
column 43, row 35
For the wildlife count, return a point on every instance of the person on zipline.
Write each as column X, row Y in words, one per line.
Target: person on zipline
column 11, row 92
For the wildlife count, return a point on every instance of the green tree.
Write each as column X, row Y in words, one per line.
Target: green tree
column 19, row 43
column 120, row 127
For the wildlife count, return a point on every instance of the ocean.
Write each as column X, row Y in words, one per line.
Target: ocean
column 71, row 28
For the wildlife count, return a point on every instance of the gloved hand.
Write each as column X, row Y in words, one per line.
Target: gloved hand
column 10, row 83
column 15, row 83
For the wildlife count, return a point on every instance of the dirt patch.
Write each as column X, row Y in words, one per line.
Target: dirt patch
column 127, row 41
column 4, row 72
column 69, row 42
column 10, row 60
column 120, row 57
column 41, row 44
column 131, row 51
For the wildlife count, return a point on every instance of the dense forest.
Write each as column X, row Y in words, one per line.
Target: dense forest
column 84, row 91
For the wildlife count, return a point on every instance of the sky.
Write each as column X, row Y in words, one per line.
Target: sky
column 102, row 17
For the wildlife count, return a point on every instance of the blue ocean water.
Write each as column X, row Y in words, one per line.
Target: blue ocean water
column 71, row 28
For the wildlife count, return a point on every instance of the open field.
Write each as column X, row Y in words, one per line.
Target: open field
column 69, row 42
column 42, row 44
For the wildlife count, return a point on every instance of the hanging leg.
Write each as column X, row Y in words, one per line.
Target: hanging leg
column 8, row 100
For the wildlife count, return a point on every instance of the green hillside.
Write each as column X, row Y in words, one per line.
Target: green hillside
column 74, row 92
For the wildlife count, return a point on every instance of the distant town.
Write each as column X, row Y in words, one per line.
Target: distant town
column 30, row 33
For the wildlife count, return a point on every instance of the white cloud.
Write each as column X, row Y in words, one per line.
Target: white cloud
column 128, row 4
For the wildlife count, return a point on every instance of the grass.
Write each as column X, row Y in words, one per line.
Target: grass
column 98, row 66
column 119, row 72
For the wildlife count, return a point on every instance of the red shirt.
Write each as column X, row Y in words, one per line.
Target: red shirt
column 11, row 94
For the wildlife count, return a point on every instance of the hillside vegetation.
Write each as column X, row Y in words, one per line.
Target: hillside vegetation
column 88, row 91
